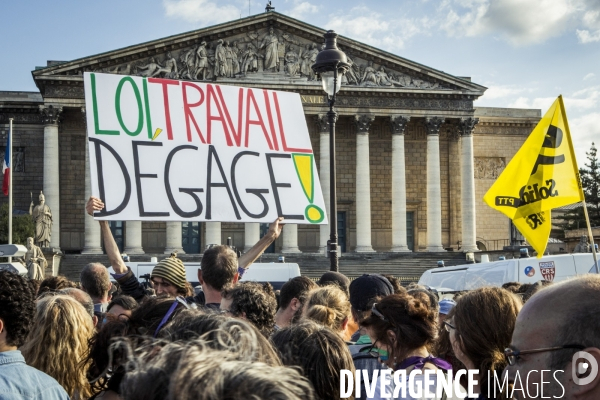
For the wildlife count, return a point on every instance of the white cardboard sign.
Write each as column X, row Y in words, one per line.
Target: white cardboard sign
column 167, row 150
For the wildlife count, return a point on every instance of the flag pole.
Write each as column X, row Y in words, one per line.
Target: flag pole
column 10, row 172
column 589, row 226
column 579, row 183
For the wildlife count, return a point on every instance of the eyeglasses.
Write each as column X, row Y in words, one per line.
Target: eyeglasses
column 448, row 326
column 512, row 355
column 375, row 311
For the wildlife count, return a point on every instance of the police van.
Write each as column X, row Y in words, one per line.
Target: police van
column 525, row 270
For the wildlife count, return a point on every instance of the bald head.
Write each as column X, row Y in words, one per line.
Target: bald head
column 95, row 281
column 562, row 317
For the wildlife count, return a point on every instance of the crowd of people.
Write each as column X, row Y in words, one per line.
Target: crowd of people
column 113, row 338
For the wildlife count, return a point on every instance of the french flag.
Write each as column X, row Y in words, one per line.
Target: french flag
column 6, row 167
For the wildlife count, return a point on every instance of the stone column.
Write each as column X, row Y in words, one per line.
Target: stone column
column 290, row 239
column 322, row 121
column 51, row 186
column 469, row 234
column 133, row 237
column 174, row 238
column 398, row 124
column 213, row 233
column 363, row 184
column 434, row 191
column 251, row 235
column 92, row 239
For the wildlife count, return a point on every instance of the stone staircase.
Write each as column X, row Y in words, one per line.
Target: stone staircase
column 406, row 266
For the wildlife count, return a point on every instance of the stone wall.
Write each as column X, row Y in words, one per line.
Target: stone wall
column 498, row 136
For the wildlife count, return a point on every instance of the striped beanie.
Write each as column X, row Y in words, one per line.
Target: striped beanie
column 172, row 270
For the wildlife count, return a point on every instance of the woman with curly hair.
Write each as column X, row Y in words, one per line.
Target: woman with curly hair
column 58, row 342
column 480, row 329
column 252, row 301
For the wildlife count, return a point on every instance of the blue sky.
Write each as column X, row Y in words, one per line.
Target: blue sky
column 526, row 52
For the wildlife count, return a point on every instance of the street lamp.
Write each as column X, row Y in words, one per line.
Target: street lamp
column 331, row 65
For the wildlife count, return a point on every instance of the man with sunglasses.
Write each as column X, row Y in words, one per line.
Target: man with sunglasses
column 556, row 343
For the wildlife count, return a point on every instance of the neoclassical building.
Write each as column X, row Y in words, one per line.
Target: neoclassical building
column 414, row 156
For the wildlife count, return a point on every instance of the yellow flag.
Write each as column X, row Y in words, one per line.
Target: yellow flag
column 542, row 175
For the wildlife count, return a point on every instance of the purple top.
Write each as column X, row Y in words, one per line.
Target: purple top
column 419, row 362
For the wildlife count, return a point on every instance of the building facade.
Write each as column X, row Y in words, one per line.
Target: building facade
column 414, row 156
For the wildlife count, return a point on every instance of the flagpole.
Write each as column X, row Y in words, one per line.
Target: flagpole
column 587, row 221
column 579, row 183
column 10, row 173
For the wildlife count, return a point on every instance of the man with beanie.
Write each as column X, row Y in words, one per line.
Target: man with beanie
column 168, row 276
column 364, row 291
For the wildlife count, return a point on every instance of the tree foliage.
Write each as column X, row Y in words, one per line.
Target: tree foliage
column 590, row 180
column 23, row 227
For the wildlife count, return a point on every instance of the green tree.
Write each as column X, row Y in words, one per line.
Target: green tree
column 590, row 179
column 23, row 227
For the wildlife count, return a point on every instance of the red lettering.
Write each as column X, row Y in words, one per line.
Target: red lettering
column 210, row 94
column 188, row 112
column 270, row 116
column 259, row 121
column 282, row 133
column 237, row 135
column 165, row 83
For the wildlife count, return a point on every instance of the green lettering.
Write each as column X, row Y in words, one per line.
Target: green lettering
column 95, row 107
column 138, row 99
column 148, row 119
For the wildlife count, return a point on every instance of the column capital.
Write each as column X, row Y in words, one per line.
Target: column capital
column 322, row 121
column 433, row 125
column 50, row 114
column 363, row 123
column 466, row 125
column 398, row 124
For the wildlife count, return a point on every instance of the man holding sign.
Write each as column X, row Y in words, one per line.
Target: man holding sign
column 220, row 266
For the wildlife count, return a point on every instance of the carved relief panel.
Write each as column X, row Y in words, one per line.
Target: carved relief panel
column 489, row 167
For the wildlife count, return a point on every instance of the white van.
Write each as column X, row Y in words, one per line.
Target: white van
column 496, row 273
column 275, row 273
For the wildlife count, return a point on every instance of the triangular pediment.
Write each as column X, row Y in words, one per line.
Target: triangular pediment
column 270, row 50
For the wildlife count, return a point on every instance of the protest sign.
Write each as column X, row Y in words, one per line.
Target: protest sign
column 167, row 150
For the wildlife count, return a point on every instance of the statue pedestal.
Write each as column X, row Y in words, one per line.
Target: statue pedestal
column 53, row 257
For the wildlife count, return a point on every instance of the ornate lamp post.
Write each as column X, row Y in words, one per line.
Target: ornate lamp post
column 331, row 65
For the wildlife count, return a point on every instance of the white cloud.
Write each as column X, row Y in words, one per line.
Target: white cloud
column 203, row 12
column 302, row 9
column 586, row 36
column 376, row 29
column 522, row 22
column 584, row 130
column 591, row 75
column 501, row 91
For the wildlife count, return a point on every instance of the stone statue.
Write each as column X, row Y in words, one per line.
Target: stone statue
column 235, row 50
column 583, row 246
column 150, row 68
column 34, row 260
column 382, row 77
column 42, row 218
column 188, row 60
column 269, row 43
column 229, row 55
column 369, row 78
column 305, row 61
column 201, row 61
column 170, row 68
column 291, row 62
column 220, row 59
column 249, row 59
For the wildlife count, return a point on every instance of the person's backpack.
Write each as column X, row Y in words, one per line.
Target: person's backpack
column 364, row 360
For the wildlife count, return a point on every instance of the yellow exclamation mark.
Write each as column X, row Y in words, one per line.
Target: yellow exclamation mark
column 304, row 168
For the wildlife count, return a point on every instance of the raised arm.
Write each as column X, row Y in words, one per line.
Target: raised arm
column 274, row 231
column 112, row 250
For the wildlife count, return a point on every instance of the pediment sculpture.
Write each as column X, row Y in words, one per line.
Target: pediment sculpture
column 268, row 54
